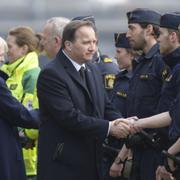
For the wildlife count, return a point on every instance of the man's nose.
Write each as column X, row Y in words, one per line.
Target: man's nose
column 93, row 47
column 128, row 34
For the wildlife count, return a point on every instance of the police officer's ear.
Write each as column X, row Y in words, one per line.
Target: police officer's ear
column 68, row 45
column 173, row 36
column 149, row 29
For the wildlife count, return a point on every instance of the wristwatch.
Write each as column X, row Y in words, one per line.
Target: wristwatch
column 118, row 160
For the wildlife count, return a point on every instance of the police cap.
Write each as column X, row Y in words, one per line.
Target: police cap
column 121, row 40
column 143, row 15
column 85, row 18
column 170, row 21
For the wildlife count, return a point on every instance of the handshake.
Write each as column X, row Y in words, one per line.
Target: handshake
column 121, row 128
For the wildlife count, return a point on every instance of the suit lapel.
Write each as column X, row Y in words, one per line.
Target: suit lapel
column 91, row 83
column 70, row 69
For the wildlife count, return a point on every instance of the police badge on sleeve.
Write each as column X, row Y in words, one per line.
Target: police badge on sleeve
column 109, row 81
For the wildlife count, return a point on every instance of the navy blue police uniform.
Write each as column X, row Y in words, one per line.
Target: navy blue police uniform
column 118, row 98
column 143, row 97
column 170, row 98
column 174, row 129
column 119, row 94
column 172, row 85
column 108, row 68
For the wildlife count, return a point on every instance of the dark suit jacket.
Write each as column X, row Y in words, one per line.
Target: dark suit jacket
column 74, row 124
column 12, row 114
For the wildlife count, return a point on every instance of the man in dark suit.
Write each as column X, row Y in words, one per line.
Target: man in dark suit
column 75, row 110
column 12, row 114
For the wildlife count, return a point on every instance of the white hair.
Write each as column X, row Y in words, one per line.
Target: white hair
column 3, row 44
column 58, row 24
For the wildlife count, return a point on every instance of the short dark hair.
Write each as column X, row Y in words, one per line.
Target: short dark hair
column 71, row 28
column 155, row 29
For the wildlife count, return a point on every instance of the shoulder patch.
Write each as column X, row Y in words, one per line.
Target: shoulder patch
column 107, row 60
column 168, row 79
column 144, row 76
column 165, row 74
column 109, row 81
column 122, row 94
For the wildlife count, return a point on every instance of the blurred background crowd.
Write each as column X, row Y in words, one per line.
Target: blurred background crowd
column 110, row 15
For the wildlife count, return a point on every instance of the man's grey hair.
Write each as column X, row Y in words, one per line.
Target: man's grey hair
column 58, row 24
column 3, row 44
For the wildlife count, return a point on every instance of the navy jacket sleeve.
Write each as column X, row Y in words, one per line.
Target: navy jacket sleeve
column 14, row 112
column 174, row 130
column 110, row 112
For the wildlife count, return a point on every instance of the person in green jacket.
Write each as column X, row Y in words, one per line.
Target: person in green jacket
column 23, row 70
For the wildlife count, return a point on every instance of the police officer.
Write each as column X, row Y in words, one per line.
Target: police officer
column 124, row 56
column 169, row 40
column 107, row 67
column 174, row 136
column 170, row 118
column 118, row 97
column 170, row 169
column 145, row 85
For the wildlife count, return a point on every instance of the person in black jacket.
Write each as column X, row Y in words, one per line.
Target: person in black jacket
column 75, row 110
column 108, row 68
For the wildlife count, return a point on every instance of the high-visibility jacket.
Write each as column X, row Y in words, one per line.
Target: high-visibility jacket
column 23, row 74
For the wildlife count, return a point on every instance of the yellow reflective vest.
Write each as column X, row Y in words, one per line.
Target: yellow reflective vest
column 23, row 74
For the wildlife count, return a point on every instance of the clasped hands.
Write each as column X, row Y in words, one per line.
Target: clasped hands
column 121, row 128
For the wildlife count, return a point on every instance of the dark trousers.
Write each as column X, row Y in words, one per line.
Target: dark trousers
column 145, row 163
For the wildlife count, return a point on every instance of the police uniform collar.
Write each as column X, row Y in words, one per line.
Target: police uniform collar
column 152, row 51
column 173, row 58
column 124, row 73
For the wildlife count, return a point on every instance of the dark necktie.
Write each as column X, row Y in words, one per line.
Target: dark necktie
column 82, row 74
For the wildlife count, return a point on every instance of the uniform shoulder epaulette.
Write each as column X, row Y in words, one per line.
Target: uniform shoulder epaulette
column 166, row 75
column 123, row 71
column 107, row 60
